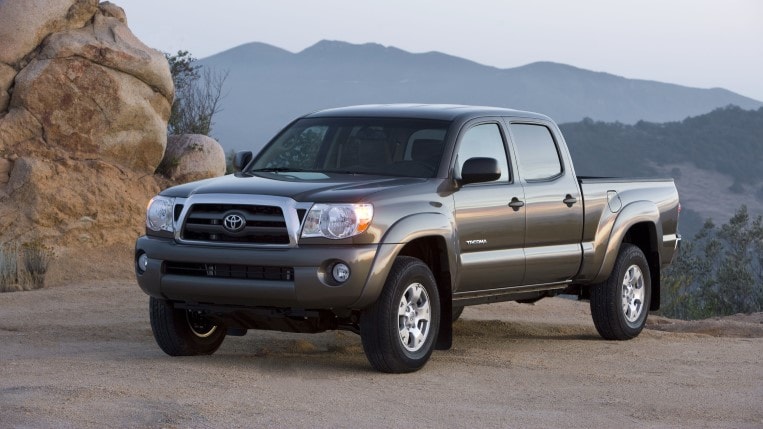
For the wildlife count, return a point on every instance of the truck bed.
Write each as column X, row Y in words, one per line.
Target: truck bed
column 607, row 199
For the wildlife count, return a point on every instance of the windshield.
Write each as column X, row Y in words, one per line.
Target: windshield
column 378, row 146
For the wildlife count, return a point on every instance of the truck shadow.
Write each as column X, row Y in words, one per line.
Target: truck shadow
column 496, row 330
column 342, row 351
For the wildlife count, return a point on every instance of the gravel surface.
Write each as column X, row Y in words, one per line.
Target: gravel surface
column 82, row 355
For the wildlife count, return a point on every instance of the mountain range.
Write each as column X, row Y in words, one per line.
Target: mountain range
column 268, row 86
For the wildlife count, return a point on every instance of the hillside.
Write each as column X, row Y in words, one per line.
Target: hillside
column 268, row 86
column 640, row 121
column 715, row 157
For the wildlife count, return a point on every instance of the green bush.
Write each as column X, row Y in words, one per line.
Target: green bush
column 719, row 272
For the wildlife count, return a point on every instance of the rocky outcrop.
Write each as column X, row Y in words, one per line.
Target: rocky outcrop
column 192, row 157
column 95, row 90
column 77, row 202
column 84, row 107
column 24, row 24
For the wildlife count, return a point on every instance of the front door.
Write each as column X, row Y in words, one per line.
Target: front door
column 491, row 234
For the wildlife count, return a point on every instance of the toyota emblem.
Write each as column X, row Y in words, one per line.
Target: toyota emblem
column 234, row 222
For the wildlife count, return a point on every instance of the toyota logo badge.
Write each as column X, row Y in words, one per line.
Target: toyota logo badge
column 234, row 222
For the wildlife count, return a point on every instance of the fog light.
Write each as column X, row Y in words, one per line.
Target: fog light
column 142, row 263
column 341, row 272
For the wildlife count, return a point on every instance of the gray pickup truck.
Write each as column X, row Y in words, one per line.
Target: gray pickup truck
column 387, row 220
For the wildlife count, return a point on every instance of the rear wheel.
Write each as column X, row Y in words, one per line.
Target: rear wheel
column 183, row 332
column 620, row 305
column 399, row 330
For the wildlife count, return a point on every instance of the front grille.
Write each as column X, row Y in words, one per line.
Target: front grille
column 252, row 272
column 261, row 224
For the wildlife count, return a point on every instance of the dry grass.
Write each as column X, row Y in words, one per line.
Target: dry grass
column 9, row 272
column 37, row 258
column 24, row 267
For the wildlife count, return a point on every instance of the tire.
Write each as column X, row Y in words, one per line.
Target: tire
column 620, row 305
column 399, row 330
column 183, row 332
column 456, row 313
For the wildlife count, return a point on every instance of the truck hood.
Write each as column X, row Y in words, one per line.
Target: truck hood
column 300, row 186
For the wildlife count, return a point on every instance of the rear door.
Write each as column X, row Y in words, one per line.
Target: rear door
column 491, row 234
column 553, row 204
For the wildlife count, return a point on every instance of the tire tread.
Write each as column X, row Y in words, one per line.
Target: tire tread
column 174, row 336
column 606, row 303
column 380, row 344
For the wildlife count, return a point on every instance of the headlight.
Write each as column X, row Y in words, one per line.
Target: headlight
column 337, row 220
column 159, row 215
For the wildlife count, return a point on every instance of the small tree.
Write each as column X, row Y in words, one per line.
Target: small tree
column 720, row 272
column 198, row 92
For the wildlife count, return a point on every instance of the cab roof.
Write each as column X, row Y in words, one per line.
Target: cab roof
column 447, row 112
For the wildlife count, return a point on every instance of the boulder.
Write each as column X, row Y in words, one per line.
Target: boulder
column 94, row 91
column 107, row 41
column 192, row 157
column 83, row 121
column 70, row 202
column 99, row 112
column 110, row 9
column 24, row 24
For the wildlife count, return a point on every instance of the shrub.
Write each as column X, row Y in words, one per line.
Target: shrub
column 37, row 257
column 24, row 267
column 9, row 272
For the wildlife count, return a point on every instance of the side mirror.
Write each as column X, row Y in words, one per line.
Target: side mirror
column 477, row 170
column 240, row 159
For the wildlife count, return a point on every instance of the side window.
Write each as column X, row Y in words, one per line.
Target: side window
column 483, row 141
column 537, row 155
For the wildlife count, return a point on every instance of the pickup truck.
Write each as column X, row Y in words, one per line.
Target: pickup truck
column 386, row 220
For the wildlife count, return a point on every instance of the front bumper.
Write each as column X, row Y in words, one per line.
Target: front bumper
column 310, row 285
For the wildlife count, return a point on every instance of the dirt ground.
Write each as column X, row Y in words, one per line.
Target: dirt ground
column 82, row 355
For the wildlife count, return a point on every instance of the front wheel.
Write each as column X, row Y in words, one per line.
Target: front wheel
column 399, row 330
column 181, row 332
column 619, row 305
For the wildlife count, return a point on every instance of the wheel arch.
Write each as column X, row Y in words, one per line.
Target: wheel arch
column 644, row 236
column 637, row 223
column 433, row 251
column 430, row 238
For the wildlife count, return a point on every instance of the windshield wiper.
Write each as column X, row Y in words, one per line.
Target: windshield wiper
column 357, row 173
column 343, row 172
column 277, row 170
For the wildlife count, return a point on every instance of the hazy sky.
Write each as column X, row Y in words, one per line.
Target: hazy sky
column 689, row 42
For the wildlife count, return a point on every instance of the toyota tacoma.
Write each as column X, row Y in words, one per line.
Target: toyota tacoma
column 387, row 220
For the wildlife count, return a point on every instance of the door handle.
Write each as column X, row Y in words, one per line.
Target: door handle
column 569, row 200
column 516, row 204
